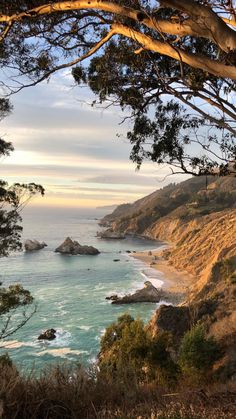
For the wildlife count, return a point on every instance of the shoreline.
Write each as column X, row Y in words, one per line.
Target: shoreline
column 176, row 284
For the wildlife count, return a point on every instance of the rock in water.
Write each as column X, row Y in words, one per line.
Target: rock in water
column 33, row 245
column 72, row 247
column 110, row 234
column 148, row 294
column 48, row 334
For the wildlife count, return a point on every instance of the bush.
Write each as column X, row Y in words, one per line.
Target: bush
column 197, row 352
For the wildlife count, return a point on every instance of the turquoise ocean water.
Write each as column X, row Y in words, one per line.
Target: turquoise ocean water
column 70, row 291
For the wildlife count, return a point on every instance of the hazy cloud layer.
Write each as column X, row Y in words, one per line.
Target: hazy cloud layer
column 72, row 149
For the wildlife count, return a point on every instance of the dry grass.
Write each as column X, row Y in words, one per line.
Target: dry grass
column 61, row 393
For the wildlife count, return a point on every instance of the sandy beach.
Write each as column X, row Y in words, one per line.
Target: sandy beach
column 176, row 284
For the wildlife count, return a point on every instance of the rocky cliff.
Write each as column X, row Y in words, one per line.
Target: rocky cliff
column 199, row 222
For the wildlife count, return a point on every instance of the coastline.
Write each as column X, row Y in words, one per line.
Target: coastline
column 176, row 284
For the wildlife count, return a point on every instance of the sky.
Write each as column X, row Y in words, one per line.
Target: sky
column 72, row 149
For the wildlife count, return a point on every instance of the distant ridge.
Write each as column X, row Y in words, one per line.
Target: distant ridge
column 192, row 198
column 107, row 207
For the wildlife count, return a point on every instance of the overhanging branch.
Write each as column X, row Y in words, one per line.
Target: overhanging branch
column 193, row 60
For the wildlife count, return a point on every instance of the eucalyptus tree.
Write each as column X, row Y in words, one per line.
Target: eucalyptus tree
column 171, row 64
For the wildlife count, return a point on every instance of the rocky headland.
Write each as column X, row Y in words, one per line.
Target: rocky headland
column 197, row 219
column 110, row 234
column 148, row 294
column 72, row 247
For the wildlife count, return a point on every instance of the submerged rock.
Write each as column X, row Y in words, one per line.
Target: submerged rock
column 48, row 334
column 33, row 245
column 110, row 234
column 72, row 247
column 148, row 294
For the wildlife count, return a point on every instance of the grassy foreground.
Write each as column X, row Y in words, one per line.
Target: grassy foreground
column 64, row 393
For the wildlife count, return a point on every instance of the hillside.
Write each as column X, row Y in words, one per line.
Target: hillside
column 199, row 223
column 184, row 201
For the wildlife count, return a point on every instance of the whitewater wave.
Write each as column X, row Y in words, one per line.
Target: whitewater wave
column 84, row 327
column 61, row 352
column 15, row 344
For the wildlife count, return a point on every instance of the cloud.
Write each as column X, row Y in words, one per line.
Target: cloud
column 72, row 149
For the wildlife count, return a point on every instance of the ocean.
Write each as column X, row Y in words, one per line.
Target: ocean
column 70, row 291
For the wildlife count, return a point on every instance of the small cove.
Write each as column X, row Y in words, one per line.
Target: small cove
column 70, row 291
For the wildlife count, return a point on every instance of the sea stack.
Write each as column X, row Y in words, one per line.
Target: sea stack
column 31, row 245
column 72, row 247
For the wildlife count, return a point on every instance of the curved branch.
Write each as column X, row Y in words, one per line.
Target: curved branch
column 70, row 63
column 205, row 17
column 219, row 122
column 193, row 60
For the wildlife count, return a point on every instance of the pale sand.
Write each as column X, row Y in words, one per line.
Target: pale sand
column 176, row 284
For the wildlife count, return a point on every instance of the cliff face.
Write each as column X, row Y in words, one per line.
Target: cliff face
column 198, row 243
column 200, row 225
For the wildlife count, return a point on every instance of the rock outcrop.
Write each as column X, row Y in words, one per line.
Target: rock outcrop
column 176, row 320
column 48, row 334
column 148, row 294
column 72, row 247
column 110, row 234
column 31, row 245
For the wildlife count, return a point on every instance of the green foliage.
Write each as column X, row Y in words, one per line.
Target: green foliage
column 12, row 199
column 123, row 347
column 198, row 352
column 16, row 308
column 129, row 352
column 13, row 297
column 15, row 300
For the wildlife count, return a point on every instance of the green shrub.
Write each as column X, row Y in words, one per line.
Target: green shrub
column 197, row 352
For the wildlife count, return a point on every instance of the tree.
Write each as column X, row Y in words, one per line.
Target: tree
column 171, row 63
column 12, row 199
column 130, row 354
column 198, row 352
column 16, row 309
column 14, row 300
